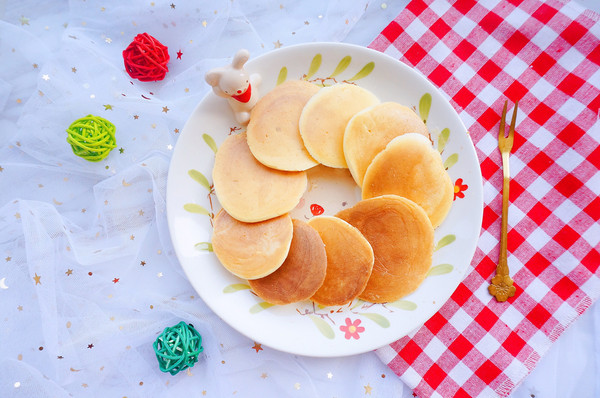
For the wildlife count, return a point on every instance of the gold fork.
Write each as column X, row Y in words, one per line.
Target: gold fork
column 502, row 284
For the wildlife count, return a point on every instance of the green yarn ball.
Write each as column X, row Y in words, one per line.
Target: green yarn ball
column 92, row 137
column 177, row 348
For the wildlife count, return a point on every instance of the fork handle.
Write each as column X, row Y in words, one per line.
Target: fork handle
column 502, row 260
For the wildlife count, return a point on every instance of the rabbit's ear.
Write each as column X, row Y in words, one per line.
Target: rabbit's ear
column 240, row 58
column 213, row 76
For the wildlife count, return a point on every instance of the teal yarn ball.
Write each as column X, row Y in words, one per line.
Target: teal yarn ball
column 92, row 137
column 177, row 348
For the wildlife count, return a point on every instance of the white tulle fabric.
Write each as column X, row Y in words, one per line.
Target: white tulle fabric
column 88, row 276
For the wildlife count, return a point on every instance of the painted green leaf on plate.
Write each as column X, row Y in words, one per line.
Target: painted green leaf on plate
column 325, row 329
column 404, row 305
column 342, row 65
column 282, row 75
column 377, row 318
column 314, row 65
column 440, row 269
column 194, row 208
column 364, row 72
column 199, row 178
column 207, row 246
column 210, row 142
column 236, row 287
column 263, row 305
column 445, row 241
column 443, row 139
column 451, row 161
column 425, row 106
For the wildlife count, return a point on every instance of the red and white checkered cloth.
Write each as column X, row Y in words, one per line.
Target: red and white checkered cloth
column 546, row 54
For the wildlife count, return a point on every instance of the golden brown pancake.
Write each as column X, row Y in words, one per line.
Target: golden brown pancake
column 273, row 133
column 324, row 119
column 370, row 130
column 250, row 191
column 401, row 236
column 349, row 261
column 409, row 166
column 251, row 250
column 301, row 274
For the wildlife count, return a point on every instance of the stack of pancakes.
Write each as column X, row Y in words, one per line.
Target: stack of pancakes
column 379, row 250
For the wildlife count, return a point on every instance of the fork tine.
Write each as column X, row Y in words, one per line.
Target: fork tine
column 502, row 122
column 511, row 129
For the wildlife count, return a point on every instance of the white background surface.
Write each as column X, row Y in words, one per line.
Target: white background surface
column 102, row 221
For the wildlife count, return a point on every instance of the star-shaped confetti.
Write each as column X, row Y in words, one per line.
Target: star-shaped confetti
column 8, row 258
column 172, row 6
column 165, row 109
column 121, row 150
column 90, row 346
column 277, row 44
column 35, row 66
column 141, row 212
column 115, row 280
column 368, row 389
column 46, row 77
column 20, row 308
column 132, row 237
column 330, row 375
column 37, row 278
column 24, row 20
column 69, row 272
column 176, row 131
column 297, row 386
column 18, row 215
column 179, row 54
column 257, row 347
column 108, row 40
column 136, row 117
column 142, row 263
column 264, row 375
column 74, row 69
column 108, row 107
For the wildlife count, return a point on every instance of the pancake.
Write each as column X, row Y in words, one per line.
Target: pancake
column 324, row 119
column 250, row 191
column 301, row 274
column 251, row 250
column 401, row 236
column 409, row 166
column 273, row 134
column 349, row 261
column 370, row 130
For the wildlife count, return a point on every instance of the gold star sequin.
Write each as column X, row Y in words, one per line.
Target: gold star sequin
column 37, row 278
column 20, row 308
column 141, row 212
column 24, row 20
column 1, row 169
column 165, row 109
column 35, row 66
column 108, row 107
column 172, row 6
column 74, row 69
column 83, row 210
column 8, row 258
column 187, row 90
column 204, row 23
column 136, row 117
column 176, row 131
column 18, row 215
column 277, row 44
column 368, row 389
column 132, row 237
column 142, row 263
column 264, row 375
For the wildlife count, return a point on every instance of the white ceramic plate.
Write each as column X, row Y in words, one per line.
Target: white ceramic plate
column 304, row 328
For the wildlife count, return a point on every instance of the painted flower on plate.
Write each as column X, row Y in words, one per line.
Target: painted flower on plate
column 352, row 329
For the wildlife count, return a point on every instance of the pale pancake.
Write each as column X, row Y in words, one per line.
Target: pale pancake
column 273, row 134
column 251, row 250
column 301, row 274
column 249, row 190
column 409, row 166
column 324, row 119
column 349, row 261
column 401, row 236
column 370, row 130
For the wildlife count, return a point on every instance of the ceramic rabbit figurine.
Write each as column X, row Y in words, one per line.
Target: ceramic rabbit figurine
column 235, row 84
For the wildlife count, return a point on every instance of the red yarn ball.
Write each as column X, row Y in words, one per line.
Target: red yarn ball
column 146, row 58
